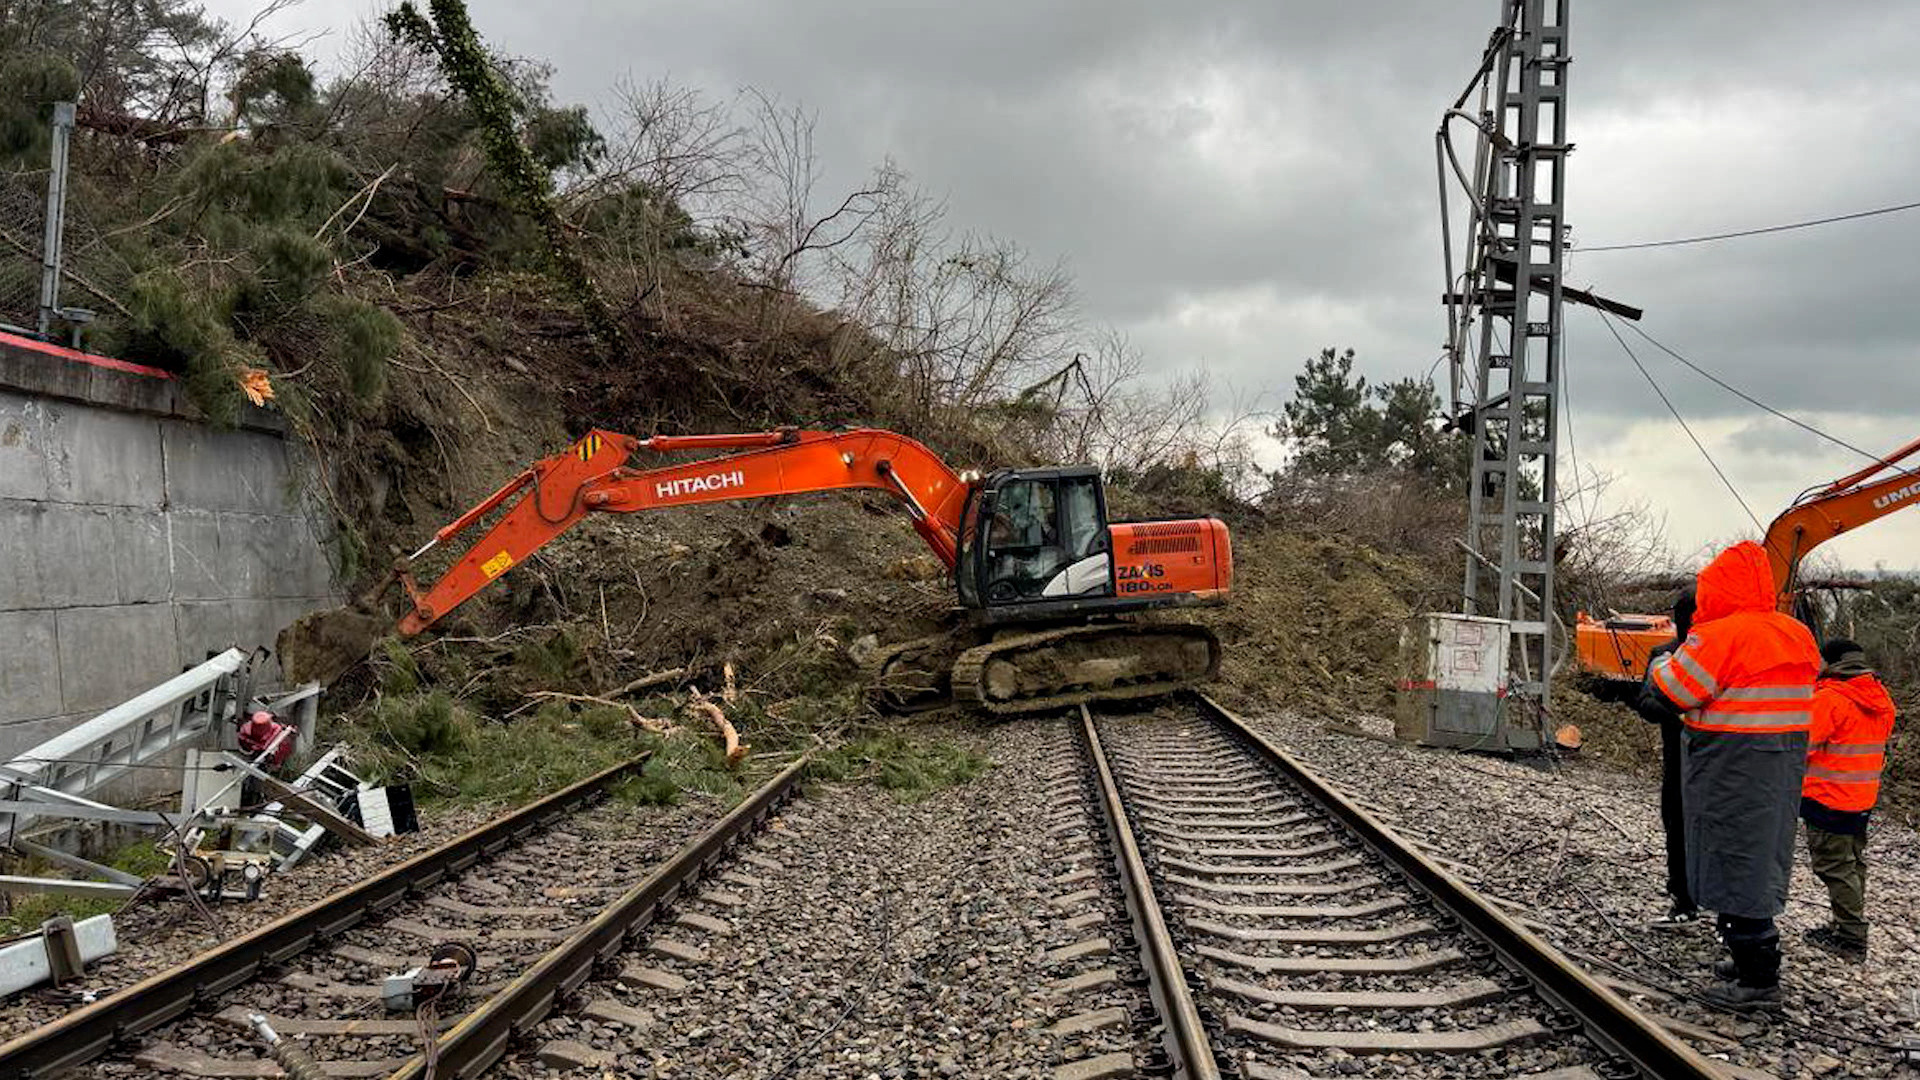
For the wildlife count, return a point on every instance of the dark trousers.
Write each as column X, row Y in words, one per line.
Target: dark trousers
column 1671, row 819
column 1840, row 862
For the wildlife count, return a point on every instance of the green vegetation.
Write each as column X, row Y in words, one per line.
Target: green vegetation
column 450, row 755
column 910, row 767
column 1342, row 427
column 26, row 913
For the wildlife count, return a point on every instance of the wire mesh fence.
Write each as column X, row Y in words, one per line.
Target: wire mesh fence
column 23, row 203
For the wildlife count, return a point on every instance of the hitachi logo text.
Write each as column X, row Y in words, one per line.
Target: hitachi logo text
column 1892, row 497
column 673, row 489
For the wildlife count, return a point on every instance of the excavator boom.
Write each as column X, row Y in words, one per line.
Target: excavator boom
column 1848, row 503
column 594, row 475
column 1617, row 648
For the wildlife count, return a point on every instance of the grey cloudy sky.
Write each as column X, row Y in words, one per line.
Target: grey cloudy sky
column 1237, row 184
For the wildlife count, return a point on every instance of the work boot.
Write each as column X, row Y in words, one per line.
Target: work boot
column 1832, row 940
column 1755, row 976
column 1735, row 997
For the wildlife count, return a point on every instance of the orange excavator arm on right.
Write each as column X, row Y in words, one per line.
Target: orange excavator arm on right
column 1824, row 513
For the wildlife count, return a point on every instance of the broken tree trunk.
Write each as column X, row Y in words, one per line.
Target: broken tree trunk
column 736, row 750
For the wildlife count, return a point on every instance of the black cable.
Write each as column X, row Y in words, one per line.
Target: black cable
column 1706, row 1002
column 1682, row 421
column 1754, row 401
column 1755, row 232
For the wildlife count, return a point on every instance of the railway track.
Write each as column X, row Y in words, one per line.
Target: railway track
column 539, row 897
column 1288, row 934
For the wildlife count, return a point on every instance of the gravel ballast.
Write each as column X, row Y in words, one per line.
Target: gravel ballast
column 968, row 934
column 1577, row 848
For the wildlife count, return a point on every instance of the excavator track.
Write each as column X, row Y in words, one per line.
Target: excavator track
column 913, row 676
column 1053, row 669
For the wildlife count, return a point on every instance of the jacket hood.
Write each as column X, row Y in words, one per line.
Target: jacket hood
column 1738, row 579
column 1865, row 692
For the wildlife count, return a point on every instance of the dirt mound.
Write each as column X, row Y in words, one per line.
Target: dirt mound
column 1314, row 620
column 322, row 645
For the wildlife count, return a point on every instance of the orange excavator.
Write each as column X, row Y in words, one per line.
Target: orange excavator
column 1615, row 649
column 1056, row 597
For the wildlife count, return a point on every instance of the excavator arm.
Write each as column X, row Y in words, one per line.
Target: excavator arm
column 594, row 475
column 1824, row 513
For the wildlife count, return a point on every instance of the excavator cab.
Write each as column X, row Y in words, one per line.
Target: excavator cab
column 1035, row 536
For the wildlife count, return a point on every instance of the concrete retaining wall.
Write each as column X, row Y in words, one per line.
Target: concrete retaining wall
column 133, row 539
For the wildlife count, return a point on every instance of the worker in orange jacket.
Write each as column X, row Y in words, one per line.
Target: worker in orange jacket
column 1743, row 681
column 1852, row 717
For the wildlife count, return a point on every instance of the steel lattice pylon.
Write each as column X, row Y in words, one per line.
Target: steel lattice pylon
column 1513, row 292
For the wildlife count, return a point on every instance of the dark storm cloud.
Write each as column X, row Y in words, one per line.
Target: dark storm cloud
column 1182, row 158
column 1238, row 184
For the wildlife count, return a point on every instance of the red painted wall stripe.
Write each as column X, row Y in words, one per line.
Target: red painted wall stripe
column 64, row 353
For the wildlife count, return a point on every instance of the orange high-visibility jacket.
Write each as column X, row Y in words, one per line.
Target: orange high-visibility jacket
column 1746, row 668
column 1848, row 746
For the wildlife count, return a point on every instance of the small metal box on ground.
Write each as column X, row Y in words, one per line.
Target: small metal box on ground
column 1453, row 684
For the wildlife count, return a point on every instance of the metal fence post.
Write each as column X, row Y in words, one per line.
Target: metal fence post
column 56, row 217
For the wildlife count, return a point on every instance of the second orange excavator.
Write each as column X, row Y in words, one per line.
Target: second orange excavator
column 1615, row 649
column 1058, row 601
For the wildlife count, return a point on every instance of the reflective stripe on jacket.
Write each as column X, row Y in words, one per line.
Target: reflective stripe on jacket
column 1746, row 668
column 1852, row 719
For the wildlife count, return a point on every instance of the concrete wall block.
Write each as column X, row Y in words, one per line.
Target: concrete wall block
column 23, row 447
column 197, row 569
column 109, row 654
column 202, row 627
column 104, row 457
column 141, row 558
column 55, row 555
column 18, row 737
column 299, row 565
column 29, row 666
column 242, row 471
column 248, row 562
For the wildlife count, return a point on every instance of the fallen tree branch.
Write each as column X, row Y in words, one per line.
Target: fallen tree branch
column 736, row 750
column 646, row 682
column 645, row 723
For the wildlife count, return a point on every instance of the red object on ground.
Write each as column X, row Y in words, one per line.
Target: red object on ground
column 259, row 731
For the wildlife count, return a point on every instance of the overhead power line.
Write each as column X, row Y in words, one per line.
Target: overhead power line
column 1750, row 399
column 1752, row 232
column 1697, row 444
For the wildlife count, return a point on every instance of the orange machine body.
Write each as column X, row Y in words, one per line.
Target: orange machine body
column 1025, row 544
column 1194, row 558
column 1616, row 648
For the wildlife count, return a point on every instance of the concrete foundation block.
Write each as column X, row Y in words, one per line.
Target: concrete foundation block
column 239, row 471
column 56, row 555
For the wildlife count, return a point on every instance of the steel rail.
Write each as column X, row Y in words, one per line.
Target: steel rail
column 85, row 1034
column 1614, row 1025
column 1184, row 1035
column 481, row 1037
